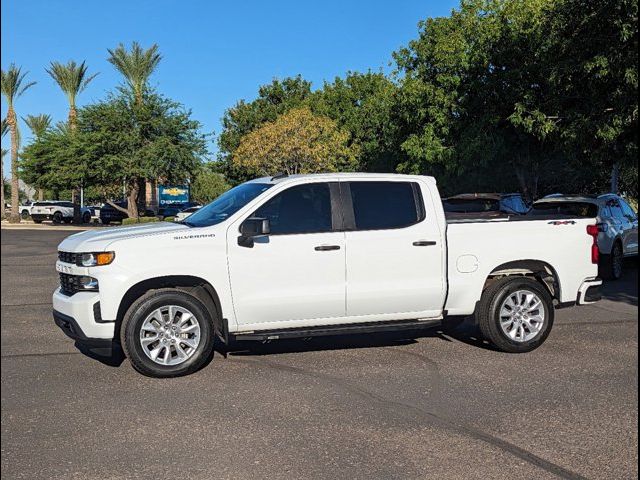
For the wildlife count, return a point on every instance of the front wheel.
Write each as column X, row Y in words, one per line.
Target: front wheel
column 86, row 217
column 167, row 333
column 516, row 314
column 24, row 215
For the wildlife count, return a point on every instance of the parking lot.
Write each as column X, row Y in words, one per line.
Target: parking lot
column 437, row 403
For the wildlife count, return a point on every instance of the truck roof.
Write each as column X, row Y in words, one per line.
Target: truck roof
column 279, row 178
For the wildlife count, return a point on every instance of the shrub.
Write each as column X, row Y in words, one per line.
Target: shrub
column 134, row 221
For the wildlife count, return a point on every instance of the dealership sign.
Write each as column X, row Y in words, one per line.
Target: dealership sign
column 170, row 194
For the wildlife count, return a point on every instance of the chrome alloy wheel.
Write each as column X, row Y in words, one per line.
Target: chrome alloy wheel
column 522, row 316
column 170, row 335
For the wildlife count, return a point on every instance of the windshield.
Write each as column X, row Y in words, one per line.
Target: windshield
column 226, row 204
column 574, row 209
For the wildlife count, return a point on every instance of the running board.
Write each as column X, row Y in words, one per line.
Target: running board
column 344, row 329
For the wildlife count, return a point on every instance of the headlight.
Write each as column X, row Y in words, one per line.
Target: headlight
column 95, row 259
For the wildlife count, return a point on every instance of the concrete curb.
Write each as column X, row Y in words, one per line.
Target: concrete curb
column 35, row 226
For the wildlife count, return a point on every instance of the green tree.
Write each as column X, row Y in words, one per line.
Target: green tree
column 362, row 104
column 296, row 142
column 38, row 124
column 13, row 86
column 116, row 144
column 207, row 185
column 4, row 130
column 592, row 55
column 72, row 79
column 273, row 99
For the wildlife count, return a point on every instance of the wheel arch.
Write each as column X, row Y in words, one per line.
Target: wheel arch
column 195, row 286
column 542, row 271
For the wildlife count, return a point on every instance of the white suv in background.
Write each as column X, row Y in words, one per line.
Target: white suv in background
column 57, row 212
column 617, row 223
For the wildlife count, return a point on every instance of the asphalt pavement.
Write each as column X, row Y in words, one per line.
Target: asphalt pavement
column 438, row 403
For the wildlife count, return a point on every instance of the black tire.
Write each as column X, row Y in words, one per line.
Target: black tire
column 86, row 217
column 611, row 265
column 488, row 311
column 132, row 324
column 24, row 215
column 57, row 217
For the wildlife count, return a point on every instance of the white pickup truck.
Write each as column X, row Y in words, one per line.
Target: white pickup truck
column 298, row 256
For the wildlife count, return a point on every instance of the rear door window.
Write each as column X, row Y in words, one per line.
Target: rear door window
column 385, row 205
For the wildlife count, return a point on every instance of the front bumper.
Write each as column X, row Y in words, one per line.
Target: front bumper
column 589, row 292
column 78, row 316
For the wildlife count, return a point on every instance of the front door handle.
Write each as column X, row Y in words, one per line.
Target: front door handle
column 326, row 248
column 423, row 243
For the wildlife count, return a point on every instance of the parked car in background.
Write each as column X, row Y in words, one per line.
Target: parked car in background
column 171, row 210
column 108, row 214
column 617, row 225
column 485, row 205
column 57, row 212
column 25, row 209
column 186, row 212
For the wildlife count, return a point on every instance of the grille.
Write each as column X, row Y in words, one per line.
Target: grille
column 67, row 257
column 69, row 284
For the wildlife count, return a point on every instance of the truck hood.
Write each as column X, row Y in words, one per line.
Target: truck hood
column 99, row 240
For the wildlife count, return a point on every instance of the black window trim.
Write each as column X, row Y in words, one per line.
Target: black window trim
column 337, row 220
column 349, row 213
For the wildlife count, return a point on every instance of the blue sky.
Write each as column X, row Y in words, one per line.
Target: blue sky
column 214, row 53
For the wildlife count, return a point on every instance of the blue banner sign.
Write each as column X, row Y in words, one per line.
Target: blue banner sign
column 170, row 194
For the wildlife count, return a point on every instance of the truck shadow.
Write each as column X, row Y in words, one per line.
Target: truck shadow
column 624, row 290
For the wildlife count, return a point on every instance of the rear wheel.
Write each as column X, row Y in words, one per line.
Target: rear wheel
column 24, row 214
column 57, row 217
column 516, row 314
column 167, row 333
column 611, row 265
column 86, row 217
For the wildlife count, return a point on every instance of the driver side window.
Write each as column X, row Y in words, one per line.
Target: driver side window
column 300, row 209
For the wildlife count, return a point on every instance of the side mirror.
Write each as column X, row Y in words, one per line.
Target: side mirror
column 252, row 227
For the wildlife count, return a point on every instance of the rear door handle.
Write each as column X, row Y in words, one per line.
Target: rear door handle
column 423, row 243
column 326, row 248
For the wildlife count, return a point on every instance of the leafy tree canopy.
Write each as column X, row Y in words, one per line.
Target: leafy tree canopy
column 296, row 142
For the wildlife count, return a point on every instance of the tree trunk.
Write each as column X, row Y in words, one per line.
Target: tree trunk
column 75, row 198
column 40, row 194
column 615, row 177
column 132, row 199
column 2, row 199
column 75, row 194
column 15, row 198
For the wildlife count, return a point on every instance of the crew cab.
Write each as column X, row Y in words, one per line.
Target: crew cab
column 305, row 255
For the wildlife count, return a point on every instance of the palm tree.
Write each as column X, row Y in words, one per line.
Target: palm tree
column 72, row 80
column 136, row 66
column 38, row 124
column 5, row 129
column 13, row 86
